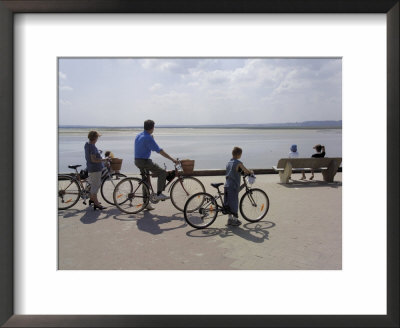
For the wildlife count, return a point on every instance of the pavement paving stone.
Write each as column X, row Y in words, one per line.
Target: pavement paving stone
column 302, row 231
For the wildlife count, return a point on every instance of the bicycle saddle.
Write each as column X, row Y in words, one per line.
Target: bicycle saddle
column 73, row 166
column 216, row 185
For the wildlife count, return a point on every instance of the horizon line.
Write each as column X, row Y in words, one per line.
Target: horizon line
column 304, row 123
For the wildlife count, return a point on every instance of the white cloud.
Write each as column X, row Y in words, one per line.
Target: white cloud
column 174, row 66
column 62, row 75
column 65, row 102
column 171, row 98
column 155, row 87
column 194, row 90
column 66, row 88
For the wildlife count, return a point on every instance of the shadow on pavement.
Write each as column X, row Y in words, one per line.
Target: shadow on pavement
column 207, row 232
column 312, row 183
column 256, row 232
column 120, row 216
column 152, row 223
column 69, row 213
column 92, row 216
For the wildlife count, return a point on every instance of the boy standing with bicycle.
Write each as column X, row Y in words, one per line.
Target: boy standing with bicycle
column 232, row 185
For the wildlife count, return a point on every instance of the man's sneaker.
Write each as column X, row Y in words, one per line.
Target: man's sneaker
column 149, row 207
column 162, row 197
column 234, row 222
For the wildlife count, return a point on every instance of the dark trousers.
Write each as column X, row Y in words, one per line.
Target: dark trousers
column 231, row 200
column 147, row 164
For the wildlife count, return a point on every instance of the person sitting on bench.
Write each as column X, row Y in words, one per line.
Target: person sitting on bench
column 294, row 154
column 319, row 154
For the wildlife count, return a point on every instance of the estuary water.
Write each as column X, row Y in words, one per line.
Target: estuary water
column 210, row 147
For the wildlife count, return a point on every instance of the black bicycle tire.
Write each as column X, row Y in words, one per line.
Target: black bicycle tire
column 186, row 205
column 67, row 177
column 173, row 188
column 141, row 183
column 102, row 184
column 241, row 205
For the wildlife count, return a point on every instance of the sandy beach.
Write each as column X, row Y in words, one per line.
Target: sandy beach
column 301, row 231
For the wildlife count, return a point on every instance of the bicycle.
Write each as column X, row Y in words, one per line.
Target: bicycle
column 132, row 195
column 201, row 209
column 73, row 186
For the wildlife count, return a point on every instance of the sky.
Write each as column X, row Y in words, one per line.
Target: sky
column 191, row 91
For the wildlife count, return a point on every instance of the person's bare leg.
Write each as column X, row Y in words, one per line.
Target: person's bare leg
column 94, row 199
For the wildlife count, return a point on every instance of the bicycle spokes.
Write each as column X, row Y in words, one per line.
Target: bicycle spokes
column 254, row 205
column 182, row 189
column 131, row 195
column 200, row 210
column 68, row 192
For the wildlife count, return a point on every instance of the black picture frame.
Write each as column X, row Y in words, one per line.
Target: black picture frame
column 10, row 7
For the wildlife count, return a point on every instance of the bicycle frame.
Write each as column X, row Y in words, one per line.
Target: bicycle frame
column 222, row 207
column 84, row 189
column 146, row 180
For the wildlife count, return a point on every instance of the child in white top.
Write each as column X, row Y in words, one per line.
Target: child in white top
column 294, row 154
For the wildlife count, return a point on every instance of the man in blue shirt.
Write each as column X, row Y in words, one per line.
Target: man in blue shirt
column 144, row 145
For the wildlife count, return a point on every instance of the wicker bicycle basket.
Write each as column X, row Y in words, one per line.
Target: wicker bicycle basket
column 116, row 164
column 187, row 165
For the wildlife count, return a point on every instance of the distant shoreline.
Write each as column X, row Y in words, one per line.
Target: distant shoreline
column 209, row 127
column 297, row 125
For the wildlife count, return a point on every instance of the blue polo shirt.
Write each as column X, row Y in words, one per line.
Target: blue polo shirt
column 144, row 145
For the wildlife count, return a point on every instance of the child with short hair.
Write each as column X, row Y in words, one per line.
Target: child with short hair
column 294, row 154
column 110, row 155
column 232, row 185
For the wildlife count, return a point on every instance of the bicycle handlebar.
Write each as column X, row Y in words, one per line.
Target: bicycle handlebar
column 179, row 164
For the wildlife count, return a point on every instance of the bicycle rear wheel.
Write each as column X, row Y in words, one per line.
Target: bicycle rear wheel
column 108, row 186
column 254, row 205
column 182, row 189
column 130, row 195
column 200, row 210
column 68, row 192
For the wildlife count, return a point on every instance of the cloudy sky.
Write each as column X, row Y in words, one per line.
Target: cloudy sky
column 187, row 91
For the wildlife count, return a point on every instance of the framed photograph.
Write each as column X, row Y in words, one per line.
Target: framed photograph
column 46, row 39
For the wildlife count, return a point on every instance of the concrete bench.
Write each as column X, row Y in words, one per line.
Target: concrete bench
column 329, row 166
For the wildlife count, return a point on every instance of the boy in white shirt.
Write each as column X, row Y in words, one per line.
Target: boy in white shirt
column 294, row 154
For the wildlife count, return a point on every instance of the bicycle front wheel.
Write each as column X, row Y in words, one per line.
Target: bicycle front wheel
column 200, row 210
column 254, row 205
column 108, row 186
column 131, row 195
column 182, row 189
column 68, row 192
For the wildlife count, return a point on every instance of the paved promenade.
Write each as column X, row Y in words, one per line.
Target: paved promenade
column 301, row 231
